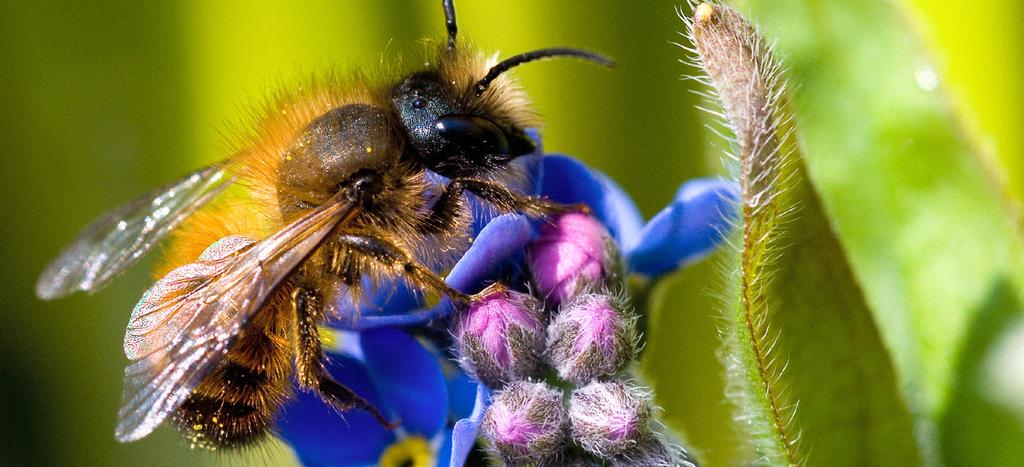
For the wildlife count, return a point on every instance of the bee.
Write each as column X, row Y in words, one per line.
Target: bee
column 335, row 183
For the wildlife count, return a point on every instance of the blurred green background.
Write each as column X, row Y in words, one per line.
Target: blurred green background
column 103, row 101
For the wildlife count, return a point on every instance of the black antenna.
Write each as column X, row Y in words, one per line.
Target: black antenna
column 449, row 21
column 527, row 57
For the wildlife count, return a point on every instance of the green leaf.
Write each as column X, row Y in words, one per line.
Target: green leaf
column 926, row 233
column 807, row 370
column 974, row 429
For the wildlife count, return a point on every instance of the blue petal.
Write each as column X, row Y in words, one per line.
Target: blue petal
column 444, row 452
column 392, row 297
column 534, row 134
column 465, row 431
column 408, row 378
column 322, row 437
column 694, row 224
column 503, row 238
column 388, row 298
column 461, row 395
column 367, row 322
column 567, row 180
column 533, row 164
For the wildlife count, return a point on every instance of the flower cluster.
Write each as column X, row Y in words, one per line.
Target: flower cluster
column 551, row 348
column 557, row 355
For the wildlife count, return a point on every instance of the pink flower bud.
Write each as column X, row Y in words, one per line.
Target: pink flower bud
column 525, row 423
column 572, row 251
column 607, row 418
column 590, row 338
column 501, row 336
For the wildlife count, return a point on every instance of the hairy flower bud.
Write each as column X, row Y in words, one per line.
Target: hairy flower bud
column 607, row 418
column 525, row 423
column 652, row 452
column 589, row 338
column 570, row 252
column 501, row 336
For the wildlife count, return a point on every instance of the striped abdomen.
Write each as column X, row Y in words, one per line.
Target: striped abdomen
column 235, row 404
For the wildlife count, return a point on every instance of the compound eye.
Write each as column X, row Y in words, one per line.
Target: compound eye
column 472, row 133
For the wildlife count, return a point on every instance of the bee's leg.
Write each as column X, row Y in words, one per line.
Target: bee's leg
column 506, row 200
column 393, row 256
column 309, row 358
column 449, row 207
column 309, row 355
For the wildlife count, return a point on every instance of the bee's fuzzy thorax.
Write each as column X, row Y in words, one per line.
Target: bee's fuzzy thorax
column 274, row 125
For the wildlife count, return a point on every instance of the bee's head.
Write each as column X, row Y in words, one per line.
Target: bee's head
column 463, row 117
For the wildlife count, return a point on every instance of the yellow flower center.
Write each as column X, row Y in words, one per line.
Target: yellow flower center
column 413, row 451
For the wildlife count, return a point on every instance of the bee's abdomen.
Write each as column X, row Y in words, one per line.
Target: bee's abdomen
column 235, row 404
column 212, row 423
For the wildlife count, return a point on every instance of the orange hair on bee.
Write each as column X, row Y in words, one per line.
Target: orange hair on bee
column 218, row 220
column 274, row 125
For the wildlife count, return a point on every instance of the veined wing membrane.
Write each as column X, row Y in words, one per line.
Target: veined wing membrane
column 158, row 382
column 117, row 240
column 169, row 306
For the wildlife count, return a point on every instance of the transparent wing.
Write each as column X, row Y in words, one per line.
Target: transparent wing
column 228, row 293
column 120, row 237
column 169, row 306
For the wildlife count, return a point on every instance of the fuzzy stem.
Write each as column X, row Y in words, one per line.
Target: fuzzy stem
column 745, row 77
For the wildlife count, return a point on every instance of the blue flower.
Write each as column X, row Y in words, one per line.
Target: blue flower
column 399, row 376
column 690, row 227
column 395, row 373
